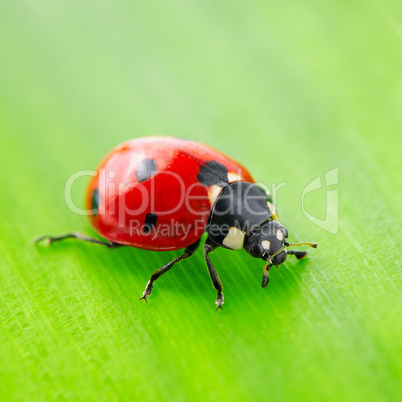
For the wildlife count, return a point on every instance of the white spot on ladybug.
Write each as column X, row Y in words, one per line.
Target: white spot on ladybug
column 233, row 177
column 279, row 234
column 146, row 169
column 272, row 208
column 234, row 239
column 214, row 192
column 266, row 244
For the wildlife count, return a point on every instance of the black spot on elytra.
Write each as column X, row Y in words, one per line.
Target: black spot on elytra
column 212, row 173
column 150, row 222
column 95, row 201
column 146, row 168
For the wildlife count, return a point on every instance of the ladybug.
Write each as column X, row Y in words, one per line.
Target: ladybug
column 163, row 193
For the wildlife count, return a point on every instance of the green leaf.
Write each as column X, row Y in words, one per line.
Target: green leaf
column 292, row 91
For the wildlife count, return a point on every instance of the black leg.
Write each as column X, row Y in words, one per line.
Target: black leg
column 208, row 248
column 188, row 252
column 299, row 254
column 265, row 277
column 78, row 236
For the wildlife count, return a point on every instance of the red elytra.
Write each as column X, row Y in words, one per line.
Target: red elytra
column 170, row 190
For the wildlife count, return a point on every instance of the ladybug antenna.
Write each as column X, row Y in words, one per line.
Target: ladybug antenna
column 315, row 245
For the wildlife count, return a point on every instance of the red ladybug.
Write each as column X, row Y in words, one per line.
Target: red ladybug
column 163, row 193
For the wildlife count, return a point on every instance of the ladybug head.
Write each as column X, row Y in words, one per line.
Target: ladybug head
column 267, row 242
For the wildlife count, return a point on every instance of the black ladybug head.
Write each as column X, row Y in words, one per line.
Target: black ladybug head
column 267, row 242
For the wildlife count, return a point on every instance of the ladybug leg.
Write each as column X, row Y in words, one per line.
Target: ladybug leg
column 188, row 252
column 78, row 236
column 208, row 248
column 299, row 254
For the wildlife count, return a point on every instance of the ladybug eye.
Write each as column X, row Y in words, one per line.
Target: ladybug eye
column 257, row 250
column 280, row 258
